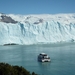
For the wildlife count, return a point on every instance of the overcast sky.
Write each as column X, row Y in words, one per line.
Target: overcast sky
column 37, row 6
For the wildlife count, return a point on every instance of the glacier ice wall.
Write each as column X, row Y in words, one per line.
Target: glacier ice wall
column 33, row 29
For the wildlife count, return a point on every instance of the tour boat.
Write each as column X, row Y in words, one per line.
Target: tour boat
column 43, row 57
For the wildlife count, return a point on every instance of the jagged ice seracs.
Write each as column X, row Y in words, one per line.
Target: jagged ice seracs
column 35, row 29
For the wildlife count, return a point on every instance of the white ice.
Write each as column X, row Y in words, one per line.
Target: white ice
column 34, row 29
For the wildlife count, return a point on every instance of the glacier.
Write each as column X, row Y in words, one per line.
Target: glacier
column 35, row 29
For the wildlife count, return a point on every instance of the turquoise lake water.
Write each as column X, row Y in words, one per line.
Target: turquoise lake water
column 62, row 58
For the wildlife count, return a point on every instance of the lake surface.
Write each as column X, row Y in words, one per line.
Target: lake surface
column 62, row 58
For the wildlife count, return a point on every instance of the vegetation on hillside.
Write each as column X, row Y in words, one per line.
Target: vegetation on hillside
column 6, row 69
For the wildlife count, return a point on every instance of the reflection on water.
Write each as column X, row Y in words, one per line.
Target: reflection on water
column 62, row 58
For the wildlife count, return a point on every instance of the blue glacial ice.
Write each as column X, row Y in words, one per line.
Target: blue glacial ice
column 35, row 29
